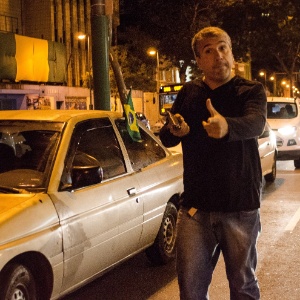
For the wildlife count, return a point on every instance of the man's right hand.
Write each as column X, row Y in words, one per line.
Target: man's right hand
column 184, row 127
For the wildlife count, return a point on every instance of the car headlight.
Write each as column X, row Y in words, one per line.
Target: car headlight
column 288, row 130
column 273, row 137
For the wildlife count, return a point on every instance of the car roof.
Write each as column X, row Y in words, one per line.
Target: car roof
column 280, row 99
column 55, row 115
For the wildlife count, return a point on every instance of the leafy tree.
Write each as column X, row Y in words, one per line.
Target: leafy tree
column 173, row 23
column 268, row 34
column 137, row 67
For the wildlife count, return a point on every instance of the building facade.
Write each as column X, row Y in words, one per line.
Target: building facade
column 60, row 21
column 57, row 21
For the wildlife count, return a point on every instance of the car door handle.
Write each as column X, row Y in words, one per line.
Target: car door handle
column 131, row 191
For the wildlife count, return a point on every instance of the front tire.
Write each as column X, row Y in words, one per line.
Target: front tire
column 17, row 283
column 163, row 250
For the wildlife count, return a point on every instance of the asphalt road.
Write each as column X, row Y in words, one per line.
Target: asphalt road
column 278, row 267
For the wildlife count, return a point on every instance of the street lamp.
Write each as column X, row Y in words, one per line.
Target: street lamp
column 83, row 37
column 263, row 73
column 274, row 80
column 152, row 52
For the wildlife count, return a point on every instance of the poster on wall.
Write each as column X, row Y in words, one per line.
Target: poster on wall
column 36, row 102
column 74, row 102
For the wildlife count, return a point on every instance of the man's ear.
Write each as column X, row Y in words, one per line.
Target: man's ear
column 199, row 64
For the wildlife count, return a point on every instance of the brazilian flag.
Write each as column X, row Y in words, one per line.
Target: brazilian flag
column 131, row 120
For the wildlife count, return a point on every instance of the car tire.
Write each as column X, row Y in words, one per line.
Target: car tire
column 17, row 282
column 297, row 163
column 272, row 176
column 163, row 250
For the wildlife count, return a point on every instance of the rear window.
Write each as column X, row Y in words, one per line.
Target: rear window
column 281, row 110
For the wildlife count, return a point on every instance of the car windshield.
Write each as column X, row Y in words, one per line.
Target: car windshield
column 281, row 110
column 27, row 150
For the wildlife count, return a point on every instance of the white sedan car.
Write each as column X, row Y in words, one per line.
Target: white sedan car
column 77, row 197
column 284, row 119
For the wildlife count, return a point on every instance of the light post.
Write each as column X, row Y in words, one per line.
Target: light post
column 286, row 87
column 83, row 37
column 263, row 73
column 274, row 80
column 152, row 52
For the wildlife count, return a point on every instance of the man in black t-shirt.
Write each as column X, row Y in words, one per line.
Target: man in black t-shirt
column 221, row 117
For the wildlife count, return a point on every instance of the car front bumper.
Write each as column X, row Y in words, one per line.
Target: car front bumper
column 288, row 154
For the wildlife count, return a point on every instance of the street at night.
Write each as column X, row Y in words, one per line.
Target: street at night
column 94, row 94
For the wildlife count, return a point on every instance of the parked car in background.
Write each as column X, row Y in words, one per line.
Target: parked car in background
column 140, row 116
column 268, row 153
column 284, row 118
column 77, row 197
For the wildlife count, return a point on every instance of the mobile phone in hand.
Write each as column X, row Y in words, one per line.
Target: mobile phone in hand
column 174, row 121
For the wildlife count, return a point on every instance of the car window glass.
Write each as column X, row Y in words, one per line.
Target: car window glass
column 281, row 110
column 27, row 150
column 101, row 144
column 94, row 143
column 141, row 154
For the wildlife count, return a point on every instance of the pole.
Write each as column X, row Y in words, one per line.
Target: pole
column 157, row 73
column 119, row 77
column 89, row 72
column 275, row 86
column 100, row 54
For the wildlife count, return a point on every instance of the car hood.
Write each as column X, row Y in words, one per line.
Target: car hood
column 278, row 123
column 25, row 214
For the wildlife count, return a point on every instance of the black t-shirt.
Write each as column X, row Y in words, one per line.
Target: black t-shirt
column 221, row 174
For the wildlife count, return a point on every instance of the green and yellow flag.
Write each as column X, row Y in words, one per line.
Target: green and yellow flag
column 131, row 120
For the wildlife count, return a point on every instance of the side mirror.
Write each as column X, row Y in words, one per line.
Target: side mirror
column 86, row 175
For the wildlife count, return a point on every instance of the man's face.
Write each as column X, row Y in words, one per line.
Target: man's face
column 216, row 60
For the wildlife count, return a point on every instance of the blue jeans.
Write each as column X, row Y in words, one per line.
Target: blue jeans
column 201, row 238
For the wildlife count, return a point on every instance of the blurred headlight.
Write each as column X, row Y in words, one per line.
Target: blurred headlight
column 288, row 130
column 273, row 137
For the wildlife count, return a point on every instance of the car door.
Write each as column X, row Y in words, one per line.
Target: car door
column 95, row 218
column 147, row 159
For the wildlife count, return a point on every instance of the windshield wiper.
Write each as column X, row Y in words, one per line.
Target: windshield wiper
column 11, row 190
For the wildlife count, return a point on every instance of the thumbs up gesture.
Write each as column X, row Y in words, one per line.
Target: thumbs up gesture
column 216, row 126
